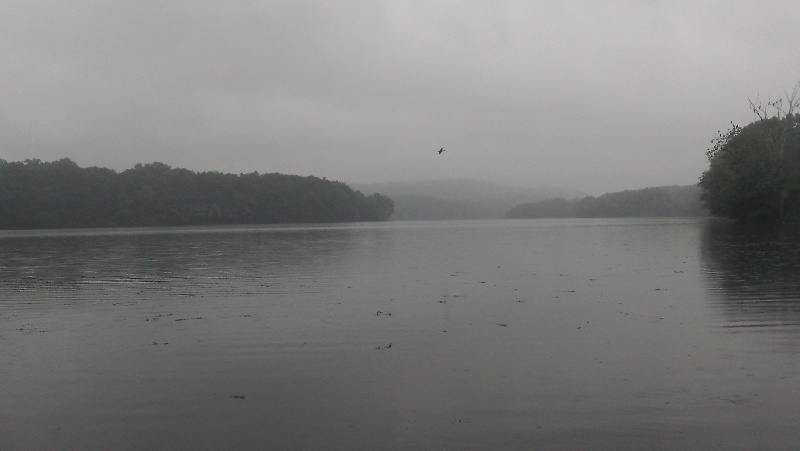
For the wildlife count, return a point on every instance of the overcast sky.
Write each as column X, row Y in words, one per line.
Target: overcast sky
column 596, row 96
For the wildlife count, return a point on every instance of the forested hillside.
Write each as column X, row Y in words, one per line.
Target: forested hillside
column 664, row 201
column 60, row 194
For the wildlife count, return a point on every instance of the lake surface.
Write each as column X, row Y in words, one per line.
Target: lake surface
column 529, row 334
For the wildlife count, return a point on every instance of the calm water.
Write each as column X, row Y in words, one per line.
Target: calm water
column 540, row 334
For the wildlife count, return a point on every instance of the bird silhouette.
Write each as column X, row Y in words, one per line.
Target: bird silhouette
column 441, row 150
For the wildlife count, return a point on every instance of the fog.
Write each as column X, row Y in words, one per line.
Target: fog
column 594, row 96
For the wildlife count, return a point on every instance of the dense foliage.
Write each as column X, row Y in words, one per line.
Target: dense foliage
column 754, row 172
column 665, row 201
column 59, row 194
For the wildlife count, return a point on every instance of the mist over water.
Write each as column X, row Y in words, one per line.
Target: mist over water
column 501, row 334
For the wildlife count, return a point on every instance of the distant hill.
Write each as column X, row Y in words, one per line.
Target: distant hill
column 662, row 201
column 458, row 199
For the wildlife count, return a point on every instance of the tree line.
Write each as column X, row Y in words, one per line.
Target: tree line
column 60, row 194
column 664, row 201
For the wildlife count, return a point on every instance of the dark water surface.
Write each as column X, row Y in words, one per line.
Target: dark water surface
column 539, row 334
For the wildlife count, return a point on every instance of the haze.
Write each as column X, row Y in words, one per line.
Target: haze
column 595, row 96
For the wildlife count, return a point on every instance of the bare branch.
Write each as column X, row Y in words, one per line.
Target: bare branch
column 777, row 108
column 793, row 99
column 760, row 109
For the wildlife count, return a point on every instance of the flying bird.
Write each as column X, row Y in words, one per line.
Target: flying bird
column 441, row 150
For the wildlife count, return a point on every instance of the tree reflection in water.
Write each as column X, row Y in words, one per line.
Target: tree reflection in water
column 753, row 274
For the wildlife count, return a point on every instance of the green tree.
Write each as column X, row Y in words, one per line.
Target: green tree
column 375, row 207
column 754, row 171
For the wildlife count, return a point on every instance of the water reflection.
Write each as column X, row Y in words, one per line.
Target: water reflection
column 753, row 275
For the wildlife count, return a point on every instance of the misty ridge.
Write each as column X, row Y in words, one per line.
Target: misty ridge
column 473, row 199
column 653, row 202
column 458, row 198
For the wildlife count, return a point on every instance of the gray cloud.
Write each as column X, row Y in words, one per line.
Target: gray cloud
column 599, row 96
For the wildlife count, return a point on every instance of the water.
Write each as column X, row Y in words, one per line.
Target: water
column 538, row 334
